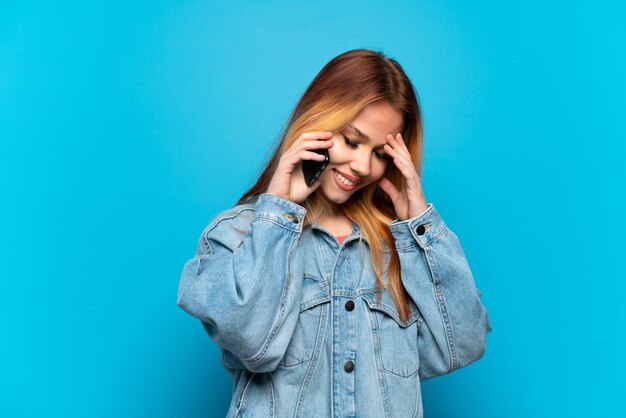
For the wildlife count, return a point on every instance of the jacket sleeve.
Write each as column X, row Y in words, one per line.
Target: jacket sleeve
column 241, row 285
column 437, row 277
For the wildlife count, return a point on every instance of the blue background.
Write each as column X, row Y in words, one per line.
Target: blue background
column 125, row 128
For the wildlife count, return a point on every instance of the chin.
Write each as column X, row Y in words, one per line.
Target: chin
column 339, row 200
column 336, row 196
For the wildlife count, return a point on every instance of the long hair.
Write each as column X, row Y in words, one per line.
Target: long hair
column 345, row 85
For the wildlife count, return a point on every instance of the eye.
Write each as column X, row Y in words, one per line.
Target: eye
column 383, row 156
column 349, row 143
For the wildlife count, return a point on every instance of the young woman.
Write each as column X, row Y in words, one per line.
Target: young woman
column 335, row 300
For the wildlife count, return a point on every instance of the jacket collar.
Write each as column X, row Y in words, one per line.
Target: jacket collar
column 354, row 234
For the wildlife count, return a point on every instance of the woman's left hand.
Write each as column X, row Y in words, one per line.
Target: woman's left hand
column 410, row 201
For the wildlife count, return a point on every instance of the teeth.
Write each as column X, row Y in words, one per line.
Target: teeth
column 345, row 180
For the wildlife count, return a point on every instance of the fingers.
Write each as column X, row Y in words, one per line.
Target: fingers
column 310, row 155
column 311, row 140
column 293, row 159
column 405, row 200
column 397, row 149
column 308, row 136
column 397, row 138
column 317, row 144
column 405, row 166
column 304, row 151
column 288, row 180
column 397, row 145
column 395, row 154
column 299, row 150
column 388, row 188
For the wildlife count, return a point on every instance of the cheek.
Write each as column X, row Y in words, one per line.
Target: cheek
column 379, row 170
column 334, row 153
column 327, row 174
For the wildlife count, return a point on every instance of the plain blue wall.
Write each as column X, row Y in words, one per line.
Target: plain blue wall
column 124, row 128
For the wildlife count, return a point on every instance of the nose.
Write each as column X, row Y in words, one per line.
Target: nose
column 360, row 164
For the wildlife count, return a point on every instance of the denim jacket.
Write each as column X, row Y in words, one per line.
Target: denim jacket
column 301, row 330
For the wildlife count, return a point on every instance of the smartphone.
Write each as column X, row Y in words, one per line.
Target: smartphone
column 312, row 169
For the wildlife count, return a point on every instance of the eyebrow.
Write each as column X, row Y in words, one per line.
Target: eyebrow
column 359, row 133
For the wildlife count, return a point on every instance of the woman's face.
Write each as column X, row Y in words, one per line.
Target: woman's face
column 357, row 157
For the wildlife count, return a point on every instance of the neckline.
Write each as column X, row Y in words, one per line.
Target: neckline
column 356, row 231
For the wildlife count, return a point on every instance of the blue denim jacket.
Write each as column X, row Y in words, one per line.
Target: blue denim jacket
column 298, row 321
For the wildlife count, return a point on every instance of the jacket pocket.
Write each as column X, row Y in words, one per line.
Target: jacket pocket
column 311, row 325
column 395, row 341
column 257, row 397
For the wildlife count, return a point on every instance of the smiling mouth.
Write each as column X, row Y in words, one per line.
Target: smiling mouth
column 343, row 182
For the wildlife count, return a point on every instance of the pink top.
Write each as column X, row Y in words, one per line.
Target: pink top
column 342, row 238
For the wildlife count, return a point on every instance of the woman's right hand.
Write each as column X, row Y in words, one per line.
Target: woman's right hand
column 288, row 180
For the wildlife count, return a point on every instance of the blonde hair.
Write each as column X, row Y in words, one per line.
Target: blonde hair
column 345, row 85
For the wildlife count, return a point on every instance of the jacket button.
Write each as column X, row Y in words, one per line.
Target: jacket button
column 349, row 366
column 292, row 217
column 420, row 230
column 349, row 305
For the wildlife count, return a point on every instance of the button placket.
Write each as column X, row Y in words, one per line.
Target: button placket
column 349, row 365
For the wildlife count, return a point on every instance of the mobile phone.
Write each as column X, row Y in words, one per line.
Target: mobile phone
column 312, row 169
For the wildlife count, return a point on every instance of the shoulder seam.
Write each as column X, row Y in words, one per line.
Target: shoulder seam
column 224, row 216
